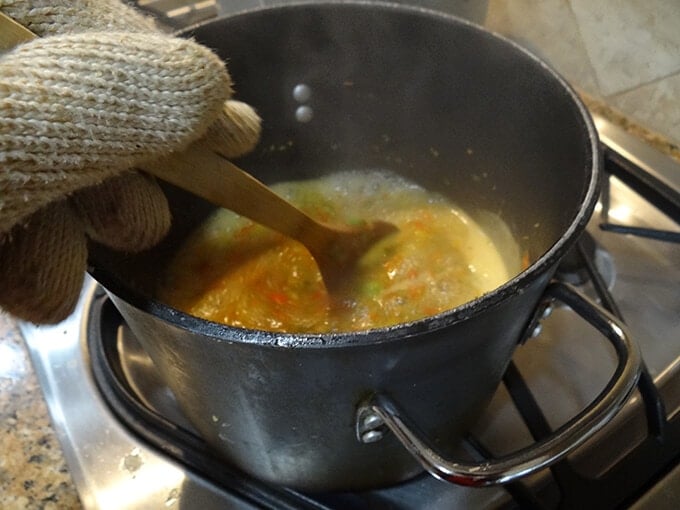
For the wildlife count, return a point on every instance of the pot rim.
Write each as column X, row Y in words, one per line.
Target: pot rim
column 225, row 333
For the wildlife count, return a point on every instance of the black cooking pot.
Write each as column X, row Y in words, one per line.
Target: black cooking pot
column 447, row 105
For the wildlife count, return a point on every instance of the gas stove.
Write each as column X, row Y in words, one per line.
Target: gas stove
column 128, row 446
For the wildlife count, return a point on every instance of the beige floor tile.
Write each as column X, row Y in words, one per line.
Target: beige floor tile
column 629, row 42
column 548, row 29
column 655, row 105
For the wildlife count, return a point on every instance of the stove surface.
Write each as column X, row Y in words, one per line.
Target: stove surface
column 566, row 366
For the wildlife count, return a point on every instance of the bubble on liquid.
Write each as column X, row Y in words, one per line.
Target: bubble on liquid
column 302, row 93
column 304, row 114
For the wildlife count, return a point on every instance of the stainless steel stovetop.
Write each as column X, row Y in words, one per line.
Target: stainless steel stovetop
column 119, row 460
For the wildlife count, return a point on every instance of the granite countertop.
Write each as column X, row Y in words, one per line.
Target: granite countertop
column 33, row 472
column 656, row 140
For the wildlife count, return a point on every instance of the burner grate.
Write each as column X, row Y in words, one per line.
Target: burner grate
column 648, row 186
column 660, row 450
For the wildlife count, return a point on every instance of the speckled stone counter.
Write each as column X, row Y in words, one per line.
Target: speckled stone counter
column 33, row 473
column 659, row 142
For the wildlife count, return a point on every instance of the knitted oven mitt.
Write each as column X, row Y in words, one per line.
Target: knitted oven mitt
column 99, row 92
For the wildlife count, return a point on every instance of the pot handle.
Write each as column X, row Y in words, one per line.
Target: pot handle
column 379, row 412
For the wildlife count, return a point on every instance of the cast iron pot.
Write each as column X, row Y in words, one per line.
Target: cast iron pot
column 452, row 107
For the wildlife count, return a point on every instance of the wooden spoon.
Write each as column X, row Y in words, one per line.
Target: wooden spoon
column 208, row 175
column 204, row 173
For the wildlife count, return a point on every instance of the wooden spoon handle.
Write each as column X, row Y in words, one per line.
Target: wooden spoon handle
column 13, row 33
column 208, row 175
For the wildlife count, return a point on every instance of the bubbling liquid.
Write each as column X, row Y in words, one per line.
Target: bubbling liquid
column 233, row 271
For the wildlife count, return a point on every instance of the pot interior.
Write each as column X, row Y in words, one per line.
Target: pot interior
column 433, row 98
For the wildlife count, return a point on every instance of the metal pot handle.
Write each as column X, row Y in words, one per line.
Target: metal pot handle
column 379, row 412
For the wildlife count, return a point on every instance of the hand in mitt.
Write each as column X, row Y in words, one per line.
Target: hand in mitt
column 99, row 92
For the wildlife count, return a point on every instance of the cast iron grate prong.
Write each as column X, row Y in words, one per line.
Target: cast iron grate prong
column 656, row 192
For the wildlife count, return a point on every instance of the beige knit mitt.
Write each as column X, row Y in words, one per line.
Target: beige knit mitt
column 101, row 91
